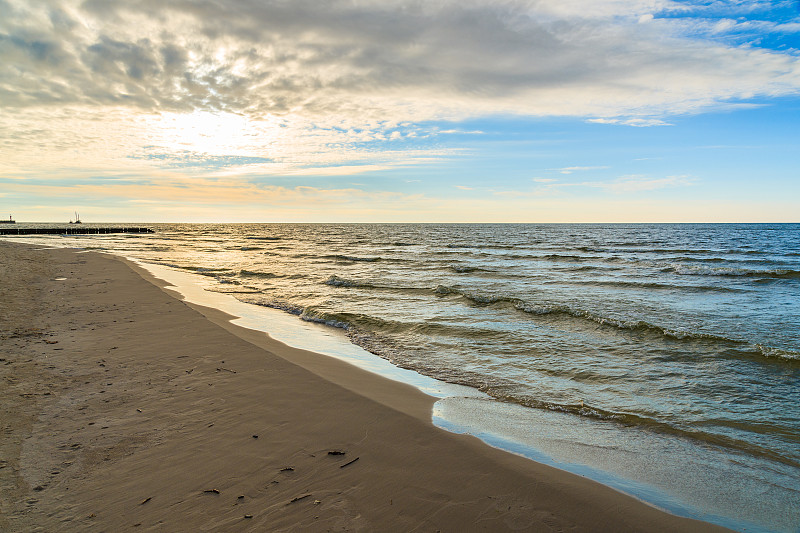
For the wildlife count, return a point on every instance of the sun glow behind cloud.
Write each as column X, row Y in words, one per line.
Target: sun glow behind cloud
column 211, row 133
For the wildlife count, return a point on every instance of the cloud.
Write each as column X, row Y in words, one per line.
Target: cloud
column 203, row 192
column 369, row 59
column 570, row 170
column 341, row 170
column 618, row 186
column 65, row 143
column 636, row 122
column 187, row 159
column 637, row 183
column 461, row 132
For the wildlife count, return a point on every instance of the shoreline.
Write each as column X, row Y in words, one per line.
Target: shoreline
column 462, row 409
column 638, row 463
column 128, row 404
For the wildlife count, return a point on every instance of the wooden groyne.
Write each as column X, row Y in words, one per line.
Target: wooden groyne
column 81, row 230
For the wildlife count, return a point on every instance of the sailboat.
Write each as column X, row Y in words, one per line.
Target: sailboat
column 77, row 219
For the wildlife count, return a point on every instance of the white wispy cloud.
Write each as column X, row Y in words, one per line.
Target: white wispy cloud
column 341, row 170
column 636, row 183
column 462, row 132
column 570, row 170
column 637, row 122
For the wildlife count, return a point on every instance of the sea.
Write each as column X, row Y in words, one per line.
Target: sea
column 660, row 359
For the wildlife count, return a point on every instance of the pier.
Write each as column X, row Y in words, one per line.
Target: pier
column 80, row 230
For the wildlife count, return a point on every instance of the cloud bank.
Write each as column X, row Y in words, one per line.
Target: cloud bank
column 396, row 60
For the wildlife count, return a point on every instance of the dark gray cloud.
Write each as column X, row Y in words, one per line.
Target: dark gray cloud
column 370, row 58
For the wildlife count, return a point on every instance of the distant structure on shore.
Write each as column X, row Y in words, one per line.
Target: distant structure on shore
column 9, row 221
column 73, row 230
column 77, row 219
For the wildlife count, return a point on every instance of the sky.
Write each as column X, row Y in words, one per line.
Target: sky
column 400, row 111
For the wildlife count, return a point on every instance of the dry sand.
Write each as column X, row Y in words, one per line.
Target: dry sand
column 123, row 408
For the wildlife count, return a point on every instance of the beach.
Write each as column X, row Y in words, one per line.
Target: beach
column 129, row 409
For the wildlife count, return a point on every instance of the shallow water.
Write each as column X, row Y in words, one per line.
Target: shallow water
column 674, row 345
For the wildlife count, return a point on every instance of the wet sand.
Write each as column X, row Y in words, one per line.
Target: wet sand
column 124, row 408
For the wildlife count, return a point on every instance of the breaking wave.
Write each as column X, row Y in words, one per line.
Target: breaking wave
column 695, row 270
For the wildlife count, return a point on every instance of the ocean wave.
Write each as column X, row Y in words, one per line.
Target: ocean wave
column 465, row 269
column 261, row 275
column 309, row 314
column 642, row 420
column 768, row 351
column 652, row 285
column 237, row 290
column 336, row 281
column 483, row 246
column 700, row 259
column 273, row 304
column 169, row 265
column 743, row 347
column 206, row 271
column 474, row 297
column 450, row 253
column 555, row 258
column 264, row 238
column 586, row 268
column 622, row 324
column 748, row 252
column 339, row 257
column 222, row 280
column 444, row 289
column 563, row 257
column 695, row 270
column 635, row 248
column 355, row 324
column 583, row 268
column 705, row 251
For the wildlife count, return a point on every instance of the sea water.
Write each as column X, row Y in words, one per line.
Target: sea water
column 662, row 359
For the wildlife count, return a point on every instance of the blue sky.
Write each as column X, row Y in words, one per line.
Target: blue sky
column 391, row 110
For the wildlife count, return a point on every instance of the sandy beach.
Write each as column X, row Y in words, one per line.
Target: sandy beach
column 125, row 408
